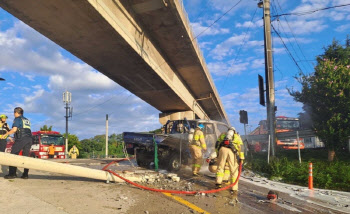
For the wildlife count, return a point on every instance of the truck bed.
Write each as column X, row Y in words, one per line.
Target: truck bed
column 135, row 139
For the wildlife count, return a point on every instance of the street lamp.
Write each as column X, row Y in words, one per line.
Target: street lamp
column 67, row 99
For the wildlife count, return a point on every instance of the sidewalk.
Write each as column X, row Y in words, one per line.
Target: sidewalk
column 15, row 201
column 335, row 200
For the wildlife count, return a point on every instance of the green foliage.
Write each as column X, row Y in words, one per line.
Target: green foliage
column 96, row 146
column 327, row 175
column 157, row 131
column 73, row 140
column 326, row 94
column 46, row 128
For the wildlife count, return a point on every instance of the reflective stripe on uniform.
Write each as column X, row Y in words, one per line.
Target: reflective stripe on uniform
column 196, row 165
column 220, row 174
column 233, row 179
column 227, row 171
column 241, row 155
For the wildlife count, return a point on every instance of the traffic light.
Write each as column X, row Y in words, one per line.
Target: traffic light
column 261, row 91
column 243, row 117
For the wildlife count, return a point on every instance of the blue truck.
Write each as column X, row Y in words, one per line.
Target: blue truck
column 172, row 144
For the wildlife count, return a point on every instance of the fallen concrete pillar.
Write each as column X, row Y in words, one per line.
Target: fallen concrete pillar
column 61, row 168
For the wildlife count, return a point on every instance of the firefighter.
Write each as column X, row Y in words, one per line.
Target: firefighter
column 23, row 140
column 212, row 160
column 4, row 128
column 51, row 151
column 197, row 144
column 229, row 146
column 74, row 152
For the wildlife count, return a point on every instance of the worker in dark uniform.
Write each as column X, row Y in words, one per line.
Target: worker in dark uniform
column 4, row 128
column 23, row 140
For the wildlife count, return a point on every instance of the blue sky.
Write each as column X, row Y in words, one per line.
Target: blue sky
column 37, row 71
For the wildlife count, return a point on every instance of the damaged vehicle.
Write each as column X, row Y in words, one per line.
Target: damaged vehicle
column 173, row 143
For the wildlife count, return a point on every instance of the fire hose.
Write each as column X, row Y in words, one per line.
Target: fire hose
column 172, row 191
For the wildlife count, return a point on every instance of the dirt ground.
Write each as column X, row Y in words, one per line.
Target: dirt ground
column 53, row 193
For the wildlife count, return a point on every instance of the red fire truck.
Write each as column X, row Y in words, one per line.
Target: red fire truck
column 283, row 125
column 41, row 142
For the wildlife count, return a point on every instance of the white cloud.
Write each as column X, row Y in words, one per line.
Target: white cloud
column 343, row 28
column 225, row 48
column 25, row 52
column 279, row 50
column 10, row 84
column 258, row 63
column 198, row 28
column 250, row 24
column 227, row 68
column 33, row 54
column 303, row 27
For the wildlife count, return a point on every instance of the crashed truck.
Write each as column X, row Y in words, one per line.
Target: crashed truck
column 173, row 142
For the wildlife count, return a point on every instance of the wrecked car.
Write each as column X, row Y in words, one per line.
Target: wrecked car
column 172, row 144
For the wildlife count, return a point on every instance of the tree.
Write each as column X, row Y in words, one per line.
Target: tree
column 46, row 128
column 73, row 140
column 326, row 93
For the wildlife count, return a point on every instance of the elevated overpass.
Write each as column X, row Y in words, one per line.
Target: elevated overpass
column 146, row 46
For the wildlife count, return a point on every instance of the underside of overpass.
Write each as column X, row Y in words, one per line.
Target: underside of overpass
column 146, row 46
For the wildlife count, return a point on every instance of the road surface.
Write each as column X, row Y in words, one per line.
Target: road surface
column 53, row 193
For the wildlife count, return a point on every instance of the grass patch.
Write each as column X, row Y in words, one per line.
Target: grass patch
column 327, row 175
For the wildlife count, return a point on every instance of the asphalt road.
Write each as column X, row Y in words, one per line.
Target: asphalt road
column 53, row 193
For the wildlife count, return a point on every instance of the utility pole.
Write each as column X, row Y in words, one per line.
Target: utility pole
column 270, row 85
column 106, row 135
column 67, row 99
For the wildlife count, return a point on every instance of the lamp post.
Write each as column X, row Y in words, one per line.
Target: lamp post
column 67, row 99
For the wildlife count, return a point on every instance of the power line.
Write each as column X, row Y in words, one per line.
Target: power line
column 218, row 19
column 285, row 46
column 120, row 103
column 302, row 53
column 289, row 41
column 310, row 11
column 239, row 49
column 87, row 110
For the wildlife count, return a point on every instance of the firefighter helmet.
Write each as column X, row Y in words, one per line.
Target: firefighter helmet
column 232, row 128
column 201, row 126
column 3, row 116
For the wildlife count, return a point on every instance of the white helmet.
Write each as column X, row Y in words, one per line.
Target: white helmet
column 231, row 128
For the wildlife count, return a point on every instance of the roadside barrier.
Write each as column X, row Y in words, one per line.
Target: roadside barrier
column 311, row 181
column 172, row 191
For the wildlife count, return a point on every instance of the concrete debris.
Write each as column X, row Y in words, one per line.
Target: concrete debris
column 175, row 178
column 123, row 197
column 170, row 175
column 233, row 202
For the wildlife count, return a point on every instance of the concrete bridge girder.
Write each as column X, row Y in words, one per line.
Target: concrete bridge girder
column 109, row 35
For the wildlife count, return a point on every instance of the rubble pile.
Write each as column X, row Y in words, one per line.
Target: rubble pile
column 160, row 180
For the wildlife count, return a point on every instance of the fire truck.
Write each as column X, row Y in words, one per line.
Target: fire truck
column 41, row 142
column 285, row 128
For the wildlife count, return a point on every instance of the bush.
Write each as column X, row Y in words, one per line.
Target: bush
column 328, row 175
